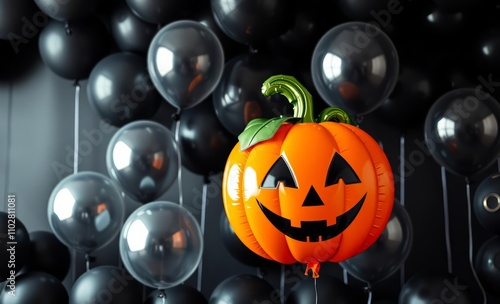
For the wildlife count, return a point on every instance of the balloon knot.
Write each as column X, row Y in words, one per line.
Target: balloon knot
column 314, row 267
column 176, row 116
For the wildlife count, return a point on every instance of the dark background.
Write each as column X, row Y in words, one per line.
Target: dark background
column 36, row 131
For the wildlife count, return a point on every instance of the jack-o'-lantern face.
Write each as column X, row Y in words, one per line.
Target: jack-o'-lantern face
column 310, row 192
column 312, row 230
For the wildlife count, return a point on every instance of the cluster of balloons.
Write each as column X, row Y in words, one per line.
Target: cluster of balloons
column 36, row 268
column 208, row 61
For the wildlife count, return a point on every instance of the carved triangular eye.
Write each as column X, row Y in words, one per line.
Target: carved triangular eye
column 279, row 172
column 340, row 169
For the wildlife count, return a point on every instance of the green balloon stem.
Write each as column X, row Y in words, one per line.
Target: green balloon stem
column 295, row 92
column 301, row 100
column 336, row 115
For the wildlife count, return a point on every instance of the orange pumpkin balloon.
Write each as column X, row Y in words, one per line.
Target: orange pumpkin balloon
column 306, row 190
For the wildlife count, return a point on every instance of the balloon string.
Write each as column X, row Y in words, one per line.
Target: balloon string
column 369, row 289
column 402, row 194
column 162, row 295
column 446, row 219
column 202, row 224
column 471, row 245
column 77, row 121
column 179, row 159
column 282, row 283
column 316, row 289
column 345, row 276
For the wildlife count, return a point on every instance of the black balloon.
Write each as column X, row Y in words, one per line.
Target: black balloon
column 48, row 255
column 204, row 143
column 416, row 90
column 486, row 49
column 252, row 22
column 73, row 52
column 329, row 289
column 13, row 257
column 309, row 23
column 68, row 10
column 363, row 10
column 106, row 284
column 462, row 131
column 238, row 99
column 384, row 257
column 35, row 287
column 487, row 203
column 130, row 33
column 435, row 287
column 16, row 20
column 204, row 16
column 235, row 246
column 179, row 294
column 159, row 11
column 243, row 289
column 120, row 90
column 487, row 264
column 457, row 5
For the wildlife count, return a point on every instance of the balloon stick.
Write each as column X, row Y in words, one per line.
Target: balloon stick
column 202, row 227
column 446, row 219
column 471, row 241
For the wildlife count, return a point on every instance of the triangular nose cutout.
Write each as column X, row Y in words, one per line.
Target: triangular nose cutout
column 312, row 199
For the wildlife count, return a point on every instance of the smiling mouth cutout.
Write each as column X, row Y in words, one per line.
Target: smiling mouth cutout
column 313, row 231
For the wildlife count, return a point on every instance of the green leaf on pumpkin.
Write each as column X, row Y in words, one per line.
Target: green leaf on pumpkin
column 260, row 129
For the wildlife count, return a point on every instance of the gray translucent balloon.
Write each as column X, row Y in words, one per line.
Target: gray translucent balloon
column 388, row 253
column 355, row 66
column 86, row 211
column 161, row 244
column 142, row 158
column 185, row 61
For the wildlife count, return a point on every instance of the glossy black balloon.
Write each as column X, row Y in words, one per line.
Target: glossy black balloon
column 242, row 289
column 486, row 203
column 203, row 141
column 106, row 284
column 35, row 287
column 179, row 294
column 486, row 52
column 16, row 20
column 130, row 33
column 252, row 22
column 73, row 55
column 22, row 247
column 384, row 257
column 68, row 10
column 309, row 23
column 457, row 5
column 119, row 89
column 159, row 11
column 462, row 131
column 235, row 246
column 48, row 255
column 355, row 66
column 238, row 99
column 204, row 16
column 416, row 90
column 363, row 10
column 329, row 289
column 435, row 287
column 487, row 264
